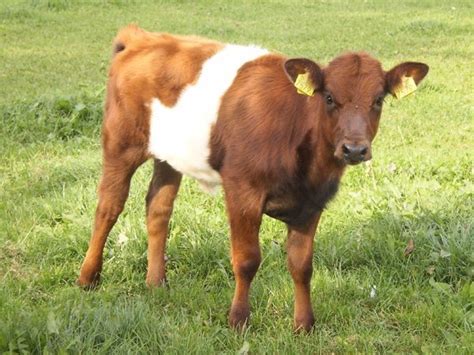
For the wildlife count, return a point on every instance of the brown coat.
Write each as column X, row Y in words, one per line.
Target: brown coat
column 274, row 150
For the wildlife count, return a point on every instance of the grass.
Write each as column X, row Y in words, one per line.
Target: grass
column 420, row 186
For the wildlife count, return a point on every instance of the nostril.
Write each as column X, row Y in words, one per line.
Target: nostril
column 345, row 149
column 355, row 152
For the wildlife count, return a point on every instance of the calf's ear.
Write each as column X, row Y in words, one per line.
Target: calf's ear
column 403, row 79
column 305, row 75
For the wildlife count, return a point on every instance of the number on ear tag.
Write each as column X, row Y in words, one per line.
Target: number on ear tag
column 406, row 87
column 304, row 85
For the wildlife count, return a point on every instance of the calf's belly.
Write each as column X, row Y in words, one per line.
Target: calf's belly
column 181, row 138
column 180, row 134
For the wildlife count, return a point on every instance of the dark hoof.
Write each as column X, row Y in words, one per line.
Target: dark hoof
column 88, row 284
column 239, row 317
column 152, row 284
column 304, row 325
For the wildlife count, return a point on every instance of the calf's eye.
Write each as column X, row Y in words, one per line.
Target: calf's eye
column 378, row 101
column 329, row 100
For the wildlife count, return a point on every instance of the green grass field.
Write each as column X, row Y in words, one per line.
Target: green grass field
column 420, row 186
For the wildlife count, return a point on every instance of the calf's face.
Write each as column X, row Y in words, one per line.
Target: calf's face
column 352, row 89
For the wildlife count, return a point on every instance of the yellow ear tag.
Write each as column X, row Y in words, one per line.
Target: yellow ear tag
column 304, row 85
column 406, row 87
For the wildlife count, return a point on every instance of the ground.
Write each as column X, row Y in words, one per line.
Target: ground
column 367, row 294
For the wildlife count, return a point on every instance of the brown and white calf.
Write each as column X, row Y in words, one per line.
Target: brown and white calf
column 231, row 115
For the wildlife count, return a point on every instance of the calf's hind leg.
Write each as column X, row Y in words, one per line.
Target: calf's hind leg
column 118, row 168
column 159, row 205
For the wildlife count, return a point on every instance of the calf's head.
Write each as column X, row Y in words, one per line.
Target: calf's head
column 350, row 93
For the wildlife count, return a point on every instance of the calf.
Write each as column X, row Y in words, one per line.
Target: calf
column 277, row 133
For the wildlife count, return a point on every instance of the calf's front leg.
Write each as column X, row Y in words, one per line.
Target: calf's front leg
column 300, row 264
column 245, row 218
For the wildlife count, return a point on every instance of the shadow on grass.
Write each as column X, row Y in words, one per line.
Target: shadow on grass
column 443, row 246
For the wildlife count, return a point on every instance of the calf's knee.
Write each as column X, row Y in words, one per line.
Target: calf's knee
column 246, row 267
